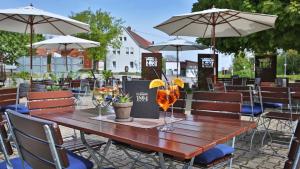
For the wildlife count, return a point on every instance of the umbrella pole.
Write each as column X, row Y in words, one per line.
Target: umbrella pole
column 177, row 59
column 66, row 57
column 214, row 48
column 30, row 50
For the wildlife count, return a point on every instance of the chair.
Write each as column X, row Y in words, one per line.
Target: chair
column 48, row 151
column 216, row 104
column 280, row 101
column 9, row 99
column 58, row 102
column 249, row 107
column 23, row 89
column 293, row 161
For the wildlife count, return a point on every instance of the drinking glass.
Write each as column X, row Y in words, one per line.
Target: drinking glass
column 163, row 100
column 174, row 96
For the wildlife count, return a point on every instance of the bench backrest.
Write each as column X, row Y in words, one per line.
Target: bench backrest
column 219, row 104
column 47, row 152
column 51, row 101
column 275, row 95
column 245, row 90
column 8, row 96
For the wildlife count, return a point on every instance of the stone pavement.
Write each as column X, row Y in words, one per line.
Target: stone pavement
column 258, row 158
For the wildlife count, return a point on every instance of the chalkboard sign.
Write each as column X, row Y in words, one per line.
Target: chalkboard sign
column 144, row 99
column 151, row 66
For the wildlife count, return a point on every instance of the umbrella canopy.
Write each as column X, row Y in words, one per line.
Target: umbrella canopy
column 32, row 20
column 177, row 44
column 64, row 43
column 216, row 22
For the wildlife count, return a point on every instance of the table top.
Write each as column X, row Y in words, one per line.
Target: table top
column 191, row 136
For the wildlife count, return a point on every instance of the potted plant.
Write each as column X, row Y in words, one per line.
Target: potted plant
column 122, row 105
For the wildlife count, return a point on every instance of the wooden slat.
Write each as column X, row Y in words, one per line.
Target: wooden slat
column 225, row 97
column 7, row 90
column 216, row 114
column 49, row 95
column 216, row 106
column 8, row 96
column 274, row 89
column 52, row 110
column 7, row 102
column 50, row 103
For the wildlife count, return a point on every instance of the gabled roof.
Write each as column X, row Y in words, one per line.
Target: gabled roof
column 140, row 41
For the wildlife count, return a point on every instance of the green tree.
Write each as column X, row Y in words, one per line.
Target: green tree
column 242, row 65
column 292, row 60
column 284, row 36
column 104, row 29
column 14, row 45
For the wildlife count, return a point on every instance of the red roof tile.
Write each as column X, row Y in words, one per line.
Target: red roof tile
column 142, row 42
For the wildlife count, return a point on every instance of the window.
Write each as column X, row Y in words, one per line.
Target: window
column 114, row 51
column 120, row 38
column 125, row 38
column 131, row 50
column 131, row 64
column 119, row 51
column 127, row 50
column 114, row 64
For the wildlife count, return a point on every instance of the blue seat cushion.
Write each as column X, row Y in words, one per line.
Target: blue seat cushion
column 75, row 162
column 78, row 162
column 272, row 105
column 77, row 91
column 21, row 108
column 219, row 151
column 16, row 162
column 247, row 109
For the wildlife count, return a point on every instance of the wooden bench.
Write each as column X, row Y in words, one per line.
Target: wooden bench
column 293, row 159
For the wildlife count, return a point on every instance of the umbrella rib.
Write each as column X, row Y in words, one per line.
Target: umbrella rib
column 231, row 26
column 54, row 26
column 46, row 20
column 206, row 27
column 227, row 19
column 252, row 20
column 185, row 25
column 75, row 25
column 13, row 18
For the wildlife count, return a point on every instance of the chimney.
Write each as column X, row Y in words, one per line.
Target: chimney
column 152, row 42
column 129, row 28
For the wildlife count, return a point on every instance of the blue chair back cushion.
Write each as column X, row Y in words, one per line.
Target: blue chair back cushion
column 272, row 105
column 219, row 151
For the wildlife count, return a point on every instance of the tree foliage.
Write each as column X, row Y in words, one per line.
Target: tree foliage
column 14, row 45
column 284, row 36
column 242, row 65
column 104, row 29
column 292, row 60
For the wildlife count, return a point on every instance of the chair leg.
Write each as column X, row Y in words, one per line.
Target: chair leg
column 162, row 161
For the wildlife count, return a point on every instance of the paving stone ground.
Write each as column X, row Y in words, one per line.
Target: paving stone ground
column 261, row 157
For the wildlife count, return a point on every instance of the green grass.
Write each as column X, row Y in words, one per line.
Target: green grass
column 291, row 77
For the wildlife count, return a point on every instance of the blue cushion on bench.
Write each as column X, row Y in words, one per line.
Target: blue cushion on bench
column 16, row 162
column 21, row 108
column 77, row 91
column 272, row 105
column 247, row 109
column 215, row 153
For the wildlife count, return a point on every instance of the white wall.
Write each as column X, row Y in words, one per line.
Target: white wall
column 171, row 68
column 123, row 59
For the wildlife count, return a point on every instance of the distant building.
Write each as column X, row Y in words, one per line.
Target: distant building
column 171, row 65
column 128, row 56
column 189, row 68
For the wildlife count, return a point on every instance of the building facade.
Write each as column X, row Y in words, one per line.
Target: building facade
column 128, row 57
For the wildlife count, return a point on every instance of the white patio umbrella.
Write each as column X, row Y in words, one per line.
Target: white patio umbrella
column 176, row 44
column 214, row 22
column 32, row 20
column 64, row 43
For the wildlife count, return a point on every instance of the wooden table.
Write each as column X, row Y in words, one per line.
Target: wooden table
column 191, row 136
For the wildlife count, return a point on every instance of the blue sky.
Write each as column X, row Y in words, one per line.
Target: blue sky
column 141, row 15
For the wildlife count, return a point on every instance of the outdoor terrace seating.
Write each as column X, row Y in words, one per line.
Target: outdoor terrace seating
column 9, row 99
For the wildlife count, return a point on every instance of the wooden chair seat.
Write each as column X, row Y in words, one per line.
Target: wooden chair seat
column 282, row 116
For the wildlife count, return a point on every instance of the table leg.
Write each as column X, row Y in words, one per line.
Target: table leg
column 162, row 161
column 232, row 145
column 93, row 152
column 189, row 165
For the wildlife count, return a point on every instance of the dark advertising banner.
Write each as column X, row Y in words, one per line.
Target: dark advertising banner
column 151, row 63
column 206, row 69
column 265, row 67
column 144, row 99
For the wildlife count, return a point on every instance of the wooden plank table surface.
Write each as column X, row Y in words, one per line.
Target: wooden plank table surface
column 191, row 136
